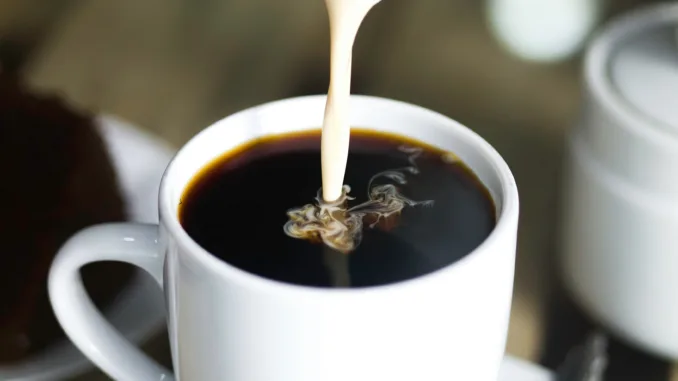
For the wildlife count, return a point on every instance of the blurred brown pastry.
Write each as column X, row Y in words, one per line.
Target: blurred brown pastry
column 56, row 178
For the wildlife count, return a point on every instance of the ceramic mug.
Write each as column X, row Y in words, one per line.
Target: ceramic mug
column 620, row 215
column 227, row 324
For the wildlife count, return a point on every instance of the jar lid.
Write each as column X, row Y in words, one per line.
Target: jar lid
column 644, row 70
column 630, row 114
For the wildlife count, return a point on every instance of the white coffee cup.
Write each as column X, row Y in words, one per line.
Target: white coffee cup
column 620, row 213
column 228, row 325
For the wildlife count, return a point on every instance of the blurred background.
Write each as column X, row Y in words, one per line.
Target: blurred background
column 508, row 69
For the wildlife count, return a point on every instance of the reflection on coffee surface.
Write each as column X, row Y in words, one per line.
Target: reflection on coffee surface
column 407, row 210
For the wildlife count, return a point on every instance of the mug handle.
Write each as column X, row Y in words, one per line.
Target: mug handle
column 136, row 244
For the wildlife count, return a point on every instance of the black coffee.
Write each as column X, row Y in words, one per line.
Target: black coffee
column 418, row 208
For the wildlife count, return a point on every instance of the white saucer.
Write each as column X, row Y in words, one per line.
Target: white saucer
column 139, row 312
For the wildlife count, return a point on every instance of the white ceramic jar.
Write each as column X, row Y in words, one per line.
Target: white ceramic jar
column 620, row 212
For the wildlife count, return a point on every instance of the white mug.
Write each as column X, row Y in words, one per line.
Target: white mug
column 228, row 325
column 620, row 211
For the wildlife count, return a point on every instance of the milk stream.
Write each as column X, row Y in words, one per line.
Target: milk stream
column 345, row 19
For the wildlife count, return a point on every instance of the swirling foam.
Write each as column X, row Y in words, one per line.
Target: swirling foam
column 340, row 227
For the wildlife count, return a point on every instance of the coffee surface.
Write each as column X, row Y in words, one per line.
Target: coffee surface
column 237, row 206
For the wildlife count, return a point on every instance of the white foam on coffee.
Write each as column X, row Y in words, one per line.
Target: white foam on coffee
column 345, row 19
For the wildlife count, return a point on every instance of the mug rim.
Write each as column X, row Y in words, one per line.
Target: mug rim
column 599, row 83
column 508, row 197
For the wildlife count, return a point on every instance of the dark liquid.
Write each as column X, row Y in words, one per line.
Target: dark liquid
column 235, row 208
